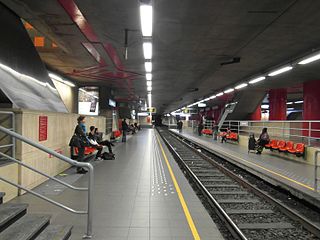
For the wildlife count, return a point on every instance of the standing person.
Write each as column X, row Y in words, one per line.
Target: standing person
column 263, row 140
column 179, row 126
column 200, row 128
column 80, row 131
column 124, row 130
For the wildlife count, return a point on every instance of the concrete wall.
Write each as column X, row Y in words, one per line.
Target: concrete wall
column 60, row 129
column 69, row 96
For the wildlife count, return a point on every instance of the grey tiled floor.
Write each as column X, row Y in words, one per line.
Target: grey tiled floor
column 297, row 171
column 134, row 197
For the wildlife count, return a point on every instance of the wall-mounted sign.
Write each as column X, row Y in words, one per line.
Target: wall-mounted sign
column 244, row 124
column 43, row 128
column 112, row 103
column 151, row 110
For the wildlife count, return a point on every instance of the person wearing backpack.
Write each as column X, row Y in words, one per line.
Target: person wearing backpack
column 263, row 140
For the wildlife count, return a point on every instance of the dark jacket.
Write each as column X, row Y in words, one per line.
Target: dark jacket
column 124, row 126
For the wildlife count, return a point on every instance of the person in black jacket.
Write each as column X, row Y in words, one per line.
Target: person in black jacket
column 200, row 128
column 80, row 131
column 124, row 130
column 94, row 135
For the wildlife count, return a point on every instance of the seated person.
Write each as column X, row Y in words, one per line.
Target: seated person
column 94, row 135
column 224, row 137
column 132, row 129
column 137, row 126
column 93, row 143
column 263, row 140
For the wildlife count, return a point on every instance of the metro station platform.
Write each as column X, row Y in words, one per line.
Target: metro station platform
column 296, row 177
column 141, row 195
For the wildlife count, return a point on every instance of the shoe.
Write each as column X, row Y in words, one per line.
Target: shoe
column 98, row 159
column 82, row 171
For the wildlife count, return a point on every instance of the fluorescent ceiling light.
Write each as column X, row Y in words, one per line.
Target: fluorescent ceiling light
column 219, row 94
column 258, row 79
column 149, row 76
column 243, row 85
column 279, row 71
column 148, row 66
column 310, row 59
column 289, row 103
column 202, row 105
column 149, row 88
column 146, row 20
column 207, row 99
column 289, row 109
column 190, row 105
column 149, row 83
column 297, row 102
column 212, row 97
column 229, row 90
column 264, row 106
column 147, row 50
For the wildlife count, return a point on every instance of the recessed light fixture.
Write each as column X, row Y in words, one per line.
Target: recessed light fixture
column 146, row 13
column 149, row 88
column 289, row 103
column 229, row 90
column 281, row 70
column 147, row 50
column 265, row 106
column 290, row 109
column 258, row 79
column 202, row 105
column 149, row 83
column 310, row 59
column 243, row 85
column 149, row 76
column 298, row 102
column 148, row 66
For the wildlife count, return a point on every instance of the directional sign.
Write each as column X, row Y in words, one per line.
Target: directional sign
column 151, row 110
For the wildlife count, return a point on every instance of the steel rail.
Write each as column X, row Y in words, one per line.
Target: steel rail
column 235, row 231
column 285, row 209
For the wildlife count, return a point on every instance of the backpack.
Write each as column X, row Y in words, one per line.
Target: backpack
column 107, row 156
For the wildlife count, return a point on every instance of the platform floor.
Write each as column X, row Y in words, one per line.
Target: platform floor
column 296, row 175
column 135, row 197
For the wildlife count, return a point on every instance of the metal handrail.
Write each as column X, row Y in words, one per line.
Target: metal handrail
column 88, row 212
column 316, row 168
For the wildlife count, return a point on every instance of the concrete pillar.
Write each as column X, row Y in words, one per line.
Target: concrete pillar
column 256, row 115
column 311, row 105
column 278, row 104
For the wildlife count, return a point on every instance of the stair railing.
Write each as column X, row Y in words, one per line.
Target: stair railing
column 89, row 189
column 316, row 170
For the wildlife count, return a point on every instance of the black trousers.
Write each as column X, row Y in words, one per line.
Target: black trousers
column 108, row 144
column 124, row 135
column 80, row 156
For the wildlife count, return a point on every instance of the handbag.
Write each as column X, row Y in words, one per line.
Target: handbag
column 75, row 141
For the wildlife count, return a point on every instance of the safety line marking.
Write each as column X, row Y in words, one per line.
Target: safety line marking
column 268, row 170
column 180, row 195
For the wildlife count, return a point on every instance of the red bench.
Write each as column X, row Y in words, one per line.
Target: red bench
column 288, row 147
column 234, row 137
column 87, row 151
column 207, row 131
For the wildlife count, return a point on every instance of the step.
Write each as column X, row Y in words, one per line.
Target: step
column 10, row 213
column 26, row 228
column 55, row 232
column 2, row 194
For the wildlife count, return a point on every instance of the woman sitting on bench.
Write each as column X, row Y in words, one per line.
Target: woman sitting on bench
column 263, row 140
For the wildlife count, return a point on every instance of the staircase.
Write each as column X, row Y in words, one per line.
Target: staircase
column 17, row 224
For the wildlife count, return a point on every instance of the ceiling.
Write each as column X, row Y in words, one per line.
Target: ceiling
column 191, row 39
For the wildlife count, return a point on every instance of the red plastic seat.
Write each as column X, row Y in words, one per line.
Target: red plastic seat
column 281, row 144
column 207, row 131
column 271, row 144
column 116, row 133
column 289, row 146
column 87, row 150
column 299, row 150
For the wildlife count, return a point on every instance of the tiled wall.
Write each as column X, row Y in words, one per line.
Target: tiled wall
column 60, row 129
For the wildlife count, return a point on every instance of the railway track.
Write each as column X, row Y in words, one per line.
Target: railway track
column 247, row 211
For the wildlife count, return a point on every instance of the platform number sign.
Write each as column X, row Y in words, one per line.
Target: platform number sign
column 43, row 128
